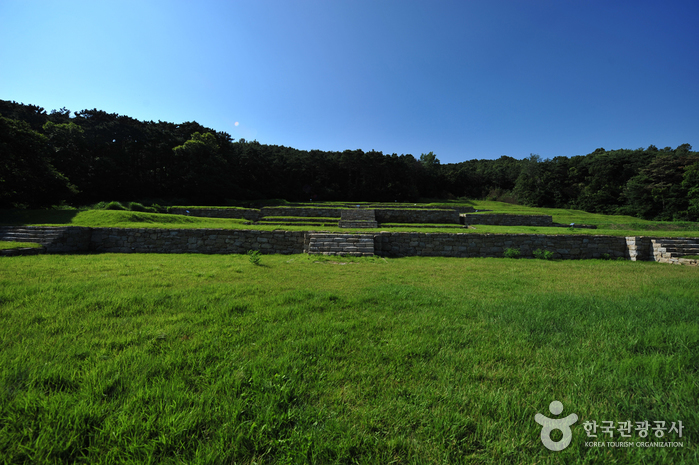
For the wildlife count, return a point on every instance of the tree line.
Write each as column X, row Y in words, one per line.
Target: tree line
column 89, row 156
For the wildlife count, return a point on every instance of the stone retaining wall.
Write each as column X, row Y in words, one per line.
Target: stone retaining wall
column 301, row 211
column 224, row 241
column 507, row 220
column 246, row 213
column 207, row 241
column 416, row 216
column 358, row 214
column 494, row 245
column 464, row 209
column 383, row 215
column 358, row 218
column 55, row 239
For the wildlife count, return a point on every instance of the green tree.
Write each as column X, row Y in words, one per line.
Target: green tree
column 27, row 177
column 529, row 188
column 429, row 161
column 200, row 170
column 690, row 182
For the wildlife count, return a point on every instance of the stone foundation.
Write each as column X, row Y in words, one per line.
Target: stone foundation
column 494, row 245
column 207, row 241
column 507, row 220
column 436, row 216
column 245, row 213
column 397, row 244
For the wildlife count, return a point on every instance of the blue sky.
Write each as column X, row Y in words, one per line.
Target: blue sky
column 464, row 79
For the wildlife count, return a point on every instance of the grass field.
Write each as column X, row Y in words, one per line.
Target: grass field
column 607, row 224
column 209, row 359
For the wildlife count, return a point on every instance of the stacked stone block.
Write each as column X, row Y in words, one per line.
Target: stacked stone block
column 436, row 216
column 207, row 241
column 301, row 211
column 494, row 245
column 671, row 250
column 225, row 241
column 340, row 244
column 496, row 219
column 639, row 248
column 358, row 218
column 251, row 214
column 54, row 239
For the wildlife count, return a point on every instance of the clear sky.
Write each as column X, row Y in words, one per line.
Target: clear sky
column 464, row 79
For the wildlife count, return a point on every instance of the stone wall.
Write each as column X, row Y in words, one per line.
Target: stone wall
column 224, row 241
column 383, row 215
column 494, row 245
column 207, row 241
column 301, row 211
column 358, row 214
column 440, row 216
column 246, row 213
column 507, row 220
column 464, row 209
column 358, row 218
column 640, row 248
column 55, row 239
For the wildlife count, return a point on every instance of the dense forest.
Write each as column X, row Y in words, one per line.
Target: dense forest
column 90, row 156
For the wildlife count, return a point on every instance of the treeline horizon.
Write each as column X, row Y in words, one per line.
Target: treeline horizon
column 59, row 158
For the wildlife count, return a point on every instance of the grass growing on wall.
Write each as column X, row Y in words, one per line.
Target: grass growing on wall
column 607, row 224
column 4, row 245
column 210, row 359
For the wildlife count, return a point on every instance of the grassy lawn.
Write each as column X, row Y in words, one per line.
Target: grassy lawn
column 17, row 245
column 209, row 359
column 612, row 225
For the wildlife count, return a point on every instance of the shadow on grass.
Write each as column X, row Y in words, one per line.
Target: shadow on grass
column 28, row 217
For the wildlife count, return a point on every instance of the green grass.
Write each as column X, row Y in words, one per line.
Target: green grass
column 692, row 257
column 17, row 245
column 613, row 225
column 210, row 359
column 564, row 216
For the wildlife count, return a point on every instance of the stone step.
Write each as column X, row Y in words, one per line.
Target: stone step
column 30, row 233
column 44, row 235
column 358, row 224
column 28, row 237
column 340, row 244
column 675, row 244
column 684, row 250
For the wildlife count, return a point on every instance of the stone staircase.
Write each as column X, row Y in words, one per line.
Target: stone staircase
column 360, row 245
column 673, row 250
column 358, row 218
column 40, row 235
column 43, row 235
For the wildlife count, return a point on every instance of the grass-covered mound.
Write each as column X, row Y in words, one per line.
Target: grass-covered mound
column 613, row 225
column 112, row 219
column 211, row 359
